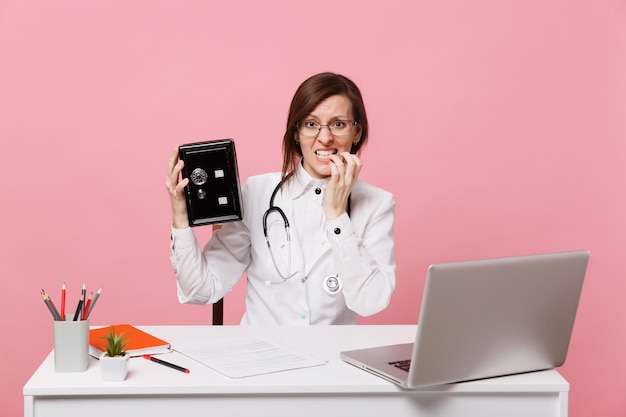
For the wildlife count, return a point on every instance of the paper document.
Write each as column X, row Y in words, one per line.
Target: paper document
column 241, row 357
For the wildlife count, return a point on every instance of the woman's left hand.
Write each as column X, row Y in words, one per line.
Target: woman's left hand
column 344, row 171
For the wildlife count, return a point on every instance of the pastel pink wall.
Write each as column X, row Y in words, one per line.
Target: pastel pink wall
column 499, row 126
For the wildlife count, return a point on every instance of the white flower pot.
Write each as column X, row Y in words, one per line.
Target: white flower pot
column 114, row 368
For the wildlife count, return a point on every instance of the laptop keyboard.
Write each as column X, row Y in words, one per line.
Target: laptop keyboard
column 404, row 364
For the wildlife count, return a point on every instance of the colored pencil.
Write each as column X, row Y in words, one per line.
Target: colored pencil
column 83, row 293
column 79, row 307
column 93, row 302
column 50, row 304
column 86, row 308
column 63, row 291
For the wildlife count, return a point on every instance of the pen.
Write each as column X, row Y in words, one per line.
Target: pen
column 63, row 302
column 50, row 304
column 79, row 307
column 93, row 303
column 162, row 362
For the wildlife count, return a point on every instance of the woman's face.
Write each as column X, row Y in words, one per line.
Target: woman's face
column 316, row 150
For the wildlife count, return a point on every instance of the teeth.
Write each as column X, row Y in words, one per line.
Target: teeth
column 325, row 153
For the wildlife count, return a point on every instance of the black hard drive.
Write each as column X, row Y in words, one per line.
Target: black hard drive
column 213, row 194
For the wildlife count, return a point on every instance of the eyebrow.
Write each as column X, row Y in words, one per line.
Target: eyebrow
column 342, row 117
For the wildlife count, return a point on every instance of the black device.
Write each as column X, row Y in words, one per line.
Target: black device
column 213, row 194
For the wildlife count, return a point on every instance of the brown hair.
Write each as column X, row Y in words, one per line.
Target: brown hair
column 308, row 96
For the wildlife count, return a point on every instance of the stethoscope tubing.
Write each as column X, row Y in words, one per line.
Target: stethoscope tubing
column 272, row 208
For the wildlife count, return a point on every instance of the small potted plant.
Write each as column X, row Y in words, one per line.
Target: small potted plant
column 114, row 361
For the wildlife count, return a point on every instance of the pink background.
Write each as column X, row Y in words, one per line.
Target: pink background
column 500, row 127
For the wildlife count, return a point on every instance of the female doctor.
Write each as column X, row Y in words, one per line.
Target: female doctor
column 315, row 243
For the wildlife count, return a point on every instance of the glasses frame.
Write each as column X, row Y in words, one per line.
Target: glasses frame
column 351, row 124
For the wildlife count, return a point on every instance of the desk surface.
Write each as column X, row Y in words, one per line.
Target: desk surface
column 336, row 378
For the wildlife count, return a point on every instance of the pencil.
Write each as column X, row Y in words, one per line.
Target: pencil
column 63, row 302
column 162, row 362
column 83, row 293
column 86, row 309
column 93, row 302
column 79, row 307
column 50, row 304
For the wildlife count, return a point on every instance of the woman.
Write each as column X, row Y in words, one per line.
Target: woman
column 335, row 260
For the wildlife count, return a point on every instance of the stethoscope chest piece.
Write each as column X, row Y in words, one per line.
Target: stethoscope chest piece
column 332, row 285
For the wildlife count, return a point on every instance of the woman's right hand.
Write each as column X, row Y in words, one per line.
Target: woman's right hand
column 175, row 189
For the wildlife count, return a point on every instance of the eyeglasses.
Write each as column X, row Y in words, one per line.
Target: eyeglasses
column 311, row 129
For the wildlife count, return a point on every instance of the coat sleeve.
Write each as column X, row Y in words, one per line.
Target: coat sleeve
column 203, row 276
column 364, row 255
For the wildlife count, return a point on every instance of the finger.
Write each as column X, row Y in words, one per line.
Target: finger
column 181, row 186
column 334, row 173
column 353, row 165
column 337, row 163
column 172, row 176
column 173, row 185
column 349, row 163
column 349, row 167
column 173, row 160
column 351, row 158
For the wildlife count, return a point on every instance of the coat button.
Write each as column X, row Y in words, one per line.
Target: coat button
column 337, row 231
column 318, row 191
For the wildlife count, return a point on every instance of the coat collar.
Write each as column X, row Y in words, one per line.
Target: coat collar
column 303, row 181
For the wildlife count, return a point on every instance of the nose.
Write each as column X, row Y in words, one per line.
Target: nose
column 324, row 135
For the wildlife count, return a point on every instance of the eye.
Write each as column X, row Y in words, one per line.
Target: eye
column 339, row 124
column 310, row 124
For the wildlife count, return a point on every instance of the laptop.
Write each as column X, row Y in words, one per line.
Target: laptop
column 486, row 318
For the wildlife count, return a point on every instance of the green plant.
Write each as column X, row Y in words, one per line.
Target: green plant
column 115, row 343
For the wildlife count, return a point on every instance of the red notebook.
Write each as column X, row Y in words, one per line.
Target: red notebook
column 138, row 342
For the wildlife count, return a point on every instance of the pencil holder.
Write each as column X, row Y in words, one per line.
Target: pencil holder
column 71, row 345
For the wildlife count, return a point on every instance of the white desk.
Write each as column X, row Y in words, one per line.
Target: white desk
column 334, row 389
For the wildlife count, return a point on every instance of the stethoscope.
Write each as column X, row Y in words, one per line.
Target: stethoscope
column 331, row 283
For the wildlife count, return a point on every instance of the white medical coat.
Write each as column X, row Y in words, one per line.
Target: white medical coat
column 359, row 249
